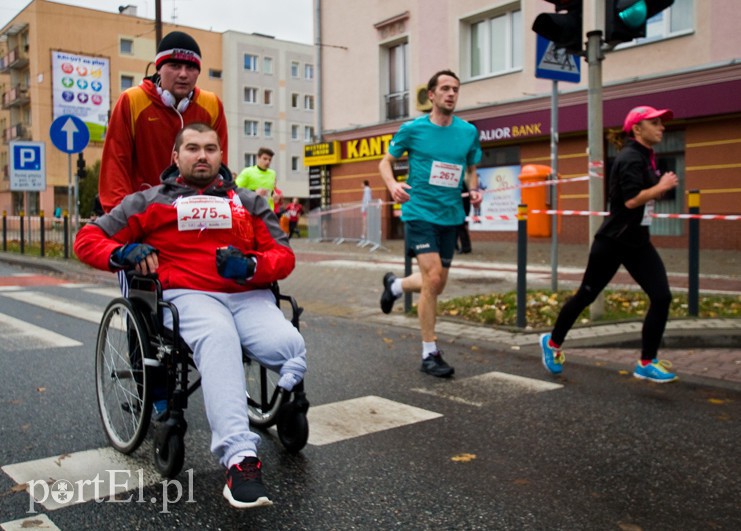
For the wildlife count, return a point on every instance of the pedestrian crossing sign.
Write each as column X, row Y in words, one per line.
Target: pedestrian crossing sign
column 555, row 63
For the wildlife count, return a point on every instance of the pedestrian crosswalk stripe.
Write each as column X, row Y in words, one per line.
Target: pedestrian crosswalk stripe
column 111, row 293
column 86, row 475
column 57, row 304
column 37, row 521
column 520, row 383
column 470, row 390
column 20, row 335
column 338, row 421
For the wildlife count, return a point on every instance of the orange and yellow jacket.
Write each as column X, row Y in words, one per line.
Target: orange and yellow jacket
column 141, row 134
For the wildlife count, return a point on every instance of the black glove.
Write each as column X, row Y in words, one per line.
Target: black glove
column 234, row 264
column 129, row 255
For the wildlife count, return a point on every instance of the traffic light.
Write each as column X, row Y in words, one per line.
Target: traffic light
column 625, row 20
column 562, row 27
column 81, row 172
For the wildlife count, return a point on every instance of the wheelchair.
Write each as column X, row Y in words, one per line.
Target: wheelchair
column 135, row 351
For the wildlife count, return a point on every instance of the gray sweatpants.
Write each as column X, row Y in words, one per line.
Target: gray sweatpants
column 214, row 325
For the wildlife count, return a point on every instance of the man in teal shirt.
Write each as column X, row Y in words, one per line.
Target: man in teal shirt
column 443, row 150
column 260, row 178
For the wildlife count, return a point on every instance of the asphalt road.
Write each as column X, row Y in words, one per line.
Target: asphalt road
column 500, row 446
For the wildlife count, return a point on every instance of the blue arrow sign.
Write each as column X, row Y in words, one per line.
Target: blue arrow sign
column 554, row 63
column 69, row 134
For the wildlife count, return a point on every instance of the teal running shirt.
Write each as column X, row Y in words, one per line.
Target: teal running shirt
column 438, row 158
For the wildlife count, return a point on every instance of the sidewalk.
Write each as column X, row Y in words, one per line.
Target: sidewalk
column 345, row 281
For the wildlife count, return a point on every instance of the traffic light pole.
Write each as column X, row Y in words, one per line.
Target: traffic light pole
column 554, row 189
column 596, row 149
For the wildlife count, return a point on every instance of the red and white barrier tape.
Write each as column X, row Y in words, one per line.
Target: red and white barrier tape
column 534, row 185
column 732, row 217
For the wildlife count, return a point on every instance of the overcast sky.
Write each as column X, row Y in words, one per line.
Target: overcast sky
column 290, row 20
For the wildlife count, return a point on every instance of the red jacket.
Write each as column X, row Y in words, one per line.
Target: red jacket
column 187, row 258
column 140, row 137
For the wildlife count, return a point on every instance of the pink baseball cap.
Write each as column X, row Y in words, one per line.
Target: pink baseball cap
column 644, row 112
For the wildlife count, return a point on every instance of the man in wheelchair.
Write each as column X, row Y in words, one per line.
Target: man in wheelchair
column 216, row 249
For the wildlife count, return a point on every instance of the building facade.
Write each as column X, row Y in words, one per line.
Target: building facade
column 269, row 91
column 376, row 57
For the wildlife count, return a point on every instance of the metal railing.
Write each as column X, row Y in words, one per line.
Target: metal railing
column 397, row 105
column 347, row 222
column 37, row 234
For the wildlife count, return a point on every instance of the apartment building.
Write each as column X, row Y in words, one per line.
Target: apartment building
column 376, row 57
column 269, row 94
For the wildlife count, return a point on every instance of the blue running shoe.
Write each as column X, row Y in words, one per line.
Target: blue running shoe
column 552, row 358
column 656, row 371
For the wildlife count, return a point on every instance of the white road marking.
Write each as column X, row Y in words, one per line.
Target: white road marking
column 520, row 383
column 111, row 293
column 83, row 476
column 57, row 304
column 468, row 390
column 338, row 421
column 37, row 521
column 20, row 335
column 440, row 394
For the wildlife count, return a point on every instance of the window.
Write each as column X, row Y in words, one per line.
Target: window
column 250, row 62
column 294, row 100
column 494, row 44
column 294, row 69
column 268, row 129
column 250, row 159
column 268, row 97
column 669, row 22
column 294, row 132
column 267, row 65
column 126, row 47
column 309, row 103
column 309, row 71
column 308, row 133
column 214, row 74
column 250, row 95
column 250, row 128
column 294, row 163
column 397, row 91
column 126, row 82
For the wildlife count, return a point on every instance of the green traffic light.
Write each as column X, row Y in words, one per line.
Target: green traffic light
column 633, row 16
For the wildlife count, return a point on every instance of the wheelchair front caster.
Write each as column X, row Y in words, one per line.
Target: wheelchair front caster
column 169, row 449
column 292, row 425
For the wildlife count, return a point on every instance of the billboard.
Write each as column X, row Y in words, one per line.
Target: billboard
column 501, row 189
column 82, row 87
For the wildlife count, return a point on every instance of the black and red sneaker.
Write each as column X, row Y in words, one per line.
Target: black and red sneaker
column 244, row 488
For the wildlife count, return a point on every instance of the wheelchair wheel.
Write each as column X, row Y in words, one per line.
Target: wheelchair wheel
column 293, row 427
column 263, row 403
column 170, row 457
column 121, row 356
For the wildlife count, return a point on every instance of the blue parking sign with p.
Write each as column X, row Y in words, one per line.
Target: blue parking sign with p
column 27, row 157
column 27, row 166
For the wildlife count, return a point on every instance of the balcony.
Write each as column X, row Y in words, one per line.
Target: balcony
column 397, row 105
column 16, row 97
column 14, row 59
column 18, row 131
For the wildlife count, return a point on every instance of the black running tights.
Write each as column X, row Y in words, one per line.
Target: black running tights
column 645, row 266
